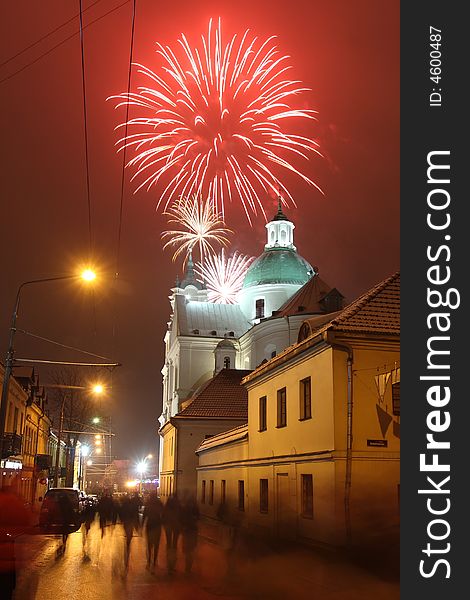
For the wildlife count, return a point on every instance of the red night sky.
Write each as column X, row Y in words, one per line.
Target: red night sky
column 346, row 52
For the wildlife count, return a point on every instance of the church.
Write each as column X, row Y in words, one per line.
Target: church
column 210, row 347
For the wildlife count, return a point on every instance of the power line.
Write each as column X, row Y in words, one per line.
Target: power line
column 121, row 204
column 61, row 43
column 44, row 339
column 38, row 41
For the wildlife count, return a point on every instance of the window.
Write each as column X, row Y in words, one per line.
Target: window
column 281, row 408
column 307, row 496
column 223, row 491
column 263, row 495
column 262, row 413
column 259, row 306
column 15, row 420
column 203, row 492
column 211, row 491
column 305, row 399
column 396, row 398
column 241, row 494
column 226, row 362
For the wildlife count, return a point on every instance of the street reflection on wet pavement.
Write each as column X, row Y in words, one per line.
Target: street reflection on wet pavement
column 93, row 568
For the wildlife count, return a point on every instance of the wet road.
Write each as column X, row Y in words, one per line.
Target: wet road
column 97, row 572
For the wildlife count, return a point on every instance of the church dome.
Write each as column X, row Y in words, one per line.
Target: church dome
column 278, row 265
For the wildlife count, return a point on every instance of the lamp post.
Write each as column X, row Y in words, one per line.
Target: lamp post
column 87, row 275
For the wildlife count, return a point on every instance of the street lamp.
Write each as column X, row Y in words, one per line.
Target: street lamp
column 141, row 468
column 87, row 275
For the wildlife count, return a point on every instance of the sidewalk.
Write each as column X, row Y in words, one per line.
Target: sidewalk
column 285, row 570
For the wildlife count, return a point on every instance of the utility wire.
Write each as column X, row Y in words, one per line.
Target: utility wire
column 40, row 337
column 87, row 162
column 62, row 42
column 38, row 41
column 121, row 204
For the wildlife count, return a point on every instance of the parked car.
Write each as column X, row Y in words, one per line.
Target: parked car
column 61, row 510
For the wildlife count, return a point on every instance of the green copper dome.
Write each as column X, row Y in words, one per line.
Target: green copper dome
column 278, row 265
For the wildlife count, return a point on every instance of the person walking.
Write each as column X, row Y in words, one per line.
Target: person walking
column 152, row 517
column 172, row 524
column 189, row 519
column 14, row 518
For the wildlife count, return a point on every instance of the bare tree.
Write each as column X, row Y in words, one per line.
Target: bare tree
column 78, row 411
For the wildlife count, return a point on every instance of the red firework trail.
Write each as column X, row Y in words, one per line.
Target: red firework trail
column 218, row 122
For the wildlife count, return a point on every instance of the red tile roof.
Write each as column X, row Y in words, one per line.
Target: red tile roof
column 375, row 312
column 222, row 397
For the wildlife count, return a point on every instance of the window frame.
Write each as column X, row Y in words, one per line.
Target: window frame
column 241, row 495
column 264, row 495
column 281, row 408
column 203, row 492
column 263, row 413
column 305, row 400
column 306, row 495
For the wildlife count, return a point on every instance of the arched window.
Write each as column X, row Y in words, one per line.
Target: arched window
column 259, row 308
column 283, row 235
column 227, row 362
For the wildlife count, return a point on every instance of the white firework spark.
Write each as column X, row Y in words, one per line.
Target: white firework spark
column 221, row 120
column 201, row 225
column 223, row 276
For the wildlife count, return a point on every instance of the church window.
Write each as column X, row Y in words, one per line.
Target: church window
column 262, row 414
column 231, row 333
column 283, row 235
column 259, row 308
column 273, row 353
column 307, row 496
column 305, row 393
column 281, row 408
column 227, row 362
column 263, row 495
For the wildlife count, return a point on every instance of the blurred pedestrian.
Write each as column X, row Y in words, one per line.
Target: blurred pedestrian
column 14, row 518
column 189, row 519
column 129, row 518
column 67, row 519
column 152, row 517
column 88, row 517
column 172, row 524
column 105, row 511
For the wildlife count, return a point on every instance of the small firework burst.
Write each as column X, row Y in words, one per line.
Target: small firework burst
column 223, row 276
column 201, row 225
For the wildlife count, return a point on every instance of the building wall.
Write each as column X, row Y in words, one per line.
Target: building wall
column 274, row 297
column 355, row 496
column 191, row 433
column 298, row 437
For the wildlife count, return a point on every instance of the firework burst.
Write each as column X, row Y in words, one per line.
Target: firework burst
column 223, row 276
column 219, row 121
column 200, row 224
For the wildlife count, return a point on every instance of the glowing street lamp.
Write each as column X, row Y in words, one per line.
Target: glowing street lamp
column 88, row 275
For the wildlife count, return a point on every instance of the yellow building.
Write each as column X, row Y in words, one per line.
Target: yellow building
column 319, row 457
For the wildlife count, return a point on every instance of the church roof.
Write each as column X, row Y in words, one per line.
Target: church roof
column 204, row 318
column 313, row 297
column 278, row 265
column 377, row 311
column 222, row 397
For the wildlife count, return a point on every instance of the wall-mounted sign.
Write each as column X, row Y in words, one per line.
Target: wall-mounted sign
column 11, row 464
column 377, row 443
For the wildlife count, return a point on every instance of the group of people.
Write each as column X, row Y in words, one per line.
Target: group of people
column 178, row 518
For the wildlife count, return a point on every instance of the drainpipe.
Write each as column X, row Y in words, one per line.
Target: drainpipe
column 329, row 339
